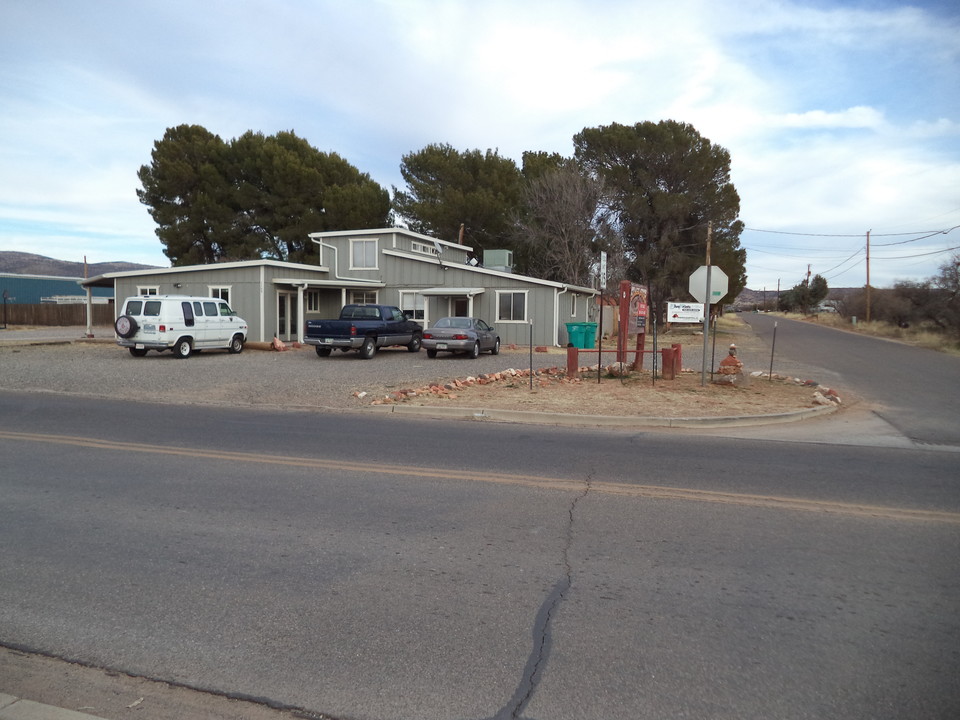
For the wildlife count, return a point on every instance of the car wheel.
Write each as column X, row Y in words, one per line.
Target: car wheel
column 431, row 352
column 414, row 345
column 236, row 344
column 137, row 352
column 125, row 326
column 183, row 348
column 495, row 350
column 323, row 352
column 475, row 350
column 369, row 348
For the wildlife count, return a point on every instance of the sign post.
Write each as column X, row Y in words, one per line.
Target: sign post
column 709, row 285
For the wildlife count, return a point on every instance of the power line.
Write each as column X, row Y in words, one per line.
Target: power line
column 908, row 257
column 927, row 233
column 924, row 237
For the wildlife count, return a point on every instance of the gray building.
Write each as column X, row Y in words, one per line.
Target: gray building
column 425, row 277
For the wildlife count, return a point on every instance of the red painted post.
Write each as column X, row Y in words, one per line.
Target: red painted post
column 668, row 364
column 638, row 353
column 623, row 320
column 677, row 358
column 573, row 362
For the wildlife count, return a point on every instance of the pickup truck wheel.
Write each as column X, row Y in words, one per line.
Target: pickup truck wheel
column 323, row 352
column 431, row 352
column 475, row 350
column 369, row 348
column 183, row 348
column 495, row 350
column 236, row 344
column 414, row 345
column 137, row 352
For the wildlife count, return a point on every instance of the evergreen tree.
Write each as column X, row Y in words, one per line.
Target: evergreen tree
column 447, row 188
column 257, row 196
column 664, row 182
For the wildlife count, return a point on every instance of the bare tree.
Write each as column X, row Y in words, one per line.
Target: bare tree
column 563, row 228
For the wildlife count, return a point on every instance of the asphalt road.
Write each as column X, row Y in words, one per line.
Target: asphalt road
column 914, row 389
column 364, row 567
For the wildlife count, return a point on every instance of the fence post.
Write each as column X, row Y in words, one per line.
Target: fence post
column 573, row 361
column 668, row 364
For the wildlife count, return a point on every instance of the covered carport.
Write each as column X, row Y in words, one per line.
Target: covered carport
column 459, row 299
column 291, row 307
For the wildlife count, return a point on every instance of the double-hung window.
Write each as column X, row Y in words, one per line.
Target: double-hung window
column 412, row 305
column 511, row 306
column 363, row 254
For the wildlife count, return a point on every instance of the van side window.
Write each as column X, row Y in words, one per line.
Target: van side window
column 197, row 308
column 187, row 313
column 225, row 310
column 151, row 308
column 134, row 307
column 210, row 309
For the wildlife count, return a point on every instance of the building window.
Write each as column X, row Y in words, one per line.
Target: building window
column 363, row 297
column 511, row 306
column 420, row 247
column 147, row 290
column 363, row 254
column 221, row 293
column 573, row 306
column 412, row 305
column 313, row 300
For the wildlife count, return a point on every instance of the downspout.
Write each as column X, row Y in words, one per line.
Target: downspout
column 556, row 314
column 336, row 261
column 301, row 288
column 336, row 270
column 263, row 316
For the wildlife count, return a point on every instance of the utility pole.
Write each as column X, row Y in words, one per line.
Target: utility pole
column 868, row 276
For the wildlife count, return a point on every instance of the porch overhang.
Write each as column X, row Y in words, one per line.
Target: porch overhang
column 451, row 292
column 332, row 284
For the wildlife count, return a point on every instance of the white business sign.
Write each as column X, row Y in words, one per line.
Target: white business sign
column 684, row 313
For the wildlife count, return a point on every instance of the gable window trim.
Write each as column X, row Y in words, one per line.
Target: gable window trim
column 512, row 306
column 363, row 254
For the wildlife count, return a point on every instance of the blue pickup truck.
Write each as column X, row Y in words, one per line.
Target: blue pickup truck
column 365, row 328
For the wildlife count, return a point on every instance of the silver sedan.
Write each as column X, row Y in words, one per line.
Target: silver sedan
column 461, row 334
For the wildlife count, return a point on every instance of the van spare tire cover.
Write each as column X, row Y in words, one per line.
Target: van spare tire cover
column 125, row 326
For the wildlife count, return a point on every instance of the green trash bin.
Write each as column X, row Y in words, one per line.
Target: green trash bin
column 575, row 332
column 589, row 335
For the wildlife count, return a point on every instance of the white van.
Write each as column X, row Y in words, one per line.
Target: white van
column 179, row 323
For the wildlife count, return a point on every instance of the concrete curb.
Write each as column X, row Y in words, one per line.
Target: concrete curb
column 567, row 419
column 13, row 708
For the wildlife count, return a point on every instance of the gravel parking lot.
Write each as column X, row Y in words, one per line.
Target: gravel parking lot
column 296, row 378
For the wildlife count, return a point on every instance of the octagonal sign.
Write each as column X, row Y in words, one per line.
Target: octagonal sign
column 719, row 284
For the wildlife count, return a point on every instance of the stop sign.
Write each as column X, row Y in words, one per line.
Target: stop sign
column 718, row 284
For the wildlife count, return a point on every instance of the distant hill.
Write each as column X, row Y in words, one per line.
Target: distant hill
column 29, row 264
column 750, row 298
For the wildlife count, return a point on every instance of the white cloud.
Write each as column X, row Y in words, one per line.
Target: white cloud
column 828, row 132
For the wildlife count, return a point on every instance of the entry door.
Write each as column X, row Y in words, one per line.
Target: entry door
column 461, row 307
column 287, row 316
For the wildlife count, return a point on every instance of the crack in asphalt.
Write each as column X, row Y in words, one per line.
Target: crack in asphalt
column 542, row 632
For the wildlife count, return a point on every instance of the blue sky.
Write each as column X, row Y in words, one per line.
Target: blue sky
column 840, row 117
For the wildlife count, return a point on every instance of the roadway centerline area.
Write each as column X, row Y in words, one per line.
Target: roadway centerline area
column 532, row 481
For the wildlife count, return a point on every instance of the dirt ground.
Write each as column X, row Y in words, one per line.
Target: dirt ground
column 632, row 395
